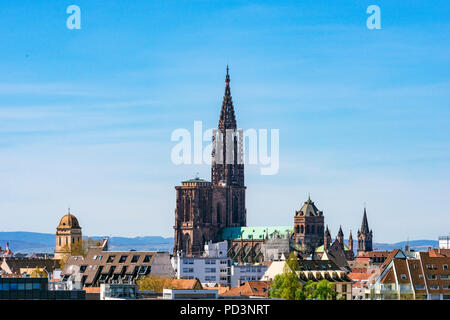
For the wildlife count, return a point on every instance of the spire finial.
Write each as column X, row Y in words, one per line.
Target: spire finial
column 68, row 210
column 227, row 78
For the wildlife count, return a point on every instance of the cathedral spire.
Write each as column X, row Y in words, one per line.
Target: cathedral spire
column 227, row 118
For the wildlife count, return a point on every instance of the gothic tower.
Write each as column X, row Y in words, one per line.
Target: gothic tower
column 364, row 236
column 68, row 233
column 227, row 170
column 340, row 236
column 309, row 227
column 204, row 207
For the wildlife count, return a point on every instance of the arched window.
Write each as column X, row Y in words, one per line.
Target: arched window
column 313, row 229
column 307, row 229
column 297, row 229
column 302, row 229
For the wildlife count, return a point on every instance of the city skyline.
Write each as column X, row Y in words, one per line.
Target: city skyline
column 86, row 115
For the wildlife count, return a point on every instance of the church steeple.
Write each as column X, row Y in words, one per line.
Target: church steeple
column 227, row 118
column 364, row 235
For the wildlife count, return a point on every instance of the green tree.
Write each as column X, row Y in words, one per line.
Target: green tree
column 286, row 286
column 292, row 262
column 322, row 290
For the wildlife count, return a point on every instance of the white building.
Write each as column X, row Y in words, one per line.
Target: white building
column 444, row 242
column 246, row 272
column 214, row 267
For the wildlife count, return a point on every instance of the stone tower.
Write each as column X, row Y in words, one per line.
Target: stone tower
column 227, row 170
column 340, row 236
column 364, row 236
column 68, row 233
column 309, row 227
column 204, row 207
column 327, row 239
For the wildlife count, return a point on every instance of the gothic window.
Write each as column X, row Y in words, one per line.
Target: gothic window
column 302, row 229
column 313, row 229
column 297, row 229
column 307, row 229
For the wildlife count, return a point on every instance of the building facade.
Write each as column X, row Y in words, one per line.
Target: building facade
column 68, row 233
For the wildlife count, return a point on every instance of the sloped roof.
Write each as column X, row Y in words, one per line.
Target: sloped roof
column 308, row 209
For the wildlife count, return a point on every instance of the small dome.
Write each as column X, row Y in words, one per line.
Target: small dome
column 69, row 221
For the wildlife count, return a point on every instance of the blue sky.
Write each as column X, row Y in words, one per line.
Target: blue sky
column 86, row 115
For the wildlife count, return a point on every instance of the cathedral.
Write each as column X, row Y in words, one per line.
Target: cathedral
column 203, row 208
column 215, row 211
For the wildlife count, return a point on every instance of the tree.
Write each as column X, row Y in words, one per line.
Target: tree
column 286, row 286
column 322, row 290
column 38, row 273
column 292, row 262
column 155, row 283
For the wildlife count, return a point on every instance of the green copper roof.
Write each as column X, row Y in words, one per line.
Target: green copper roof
column 194, row 180
column 257, row 233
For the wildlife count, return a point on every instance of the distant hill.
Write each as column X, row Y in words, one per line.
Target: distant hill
column 28, row 242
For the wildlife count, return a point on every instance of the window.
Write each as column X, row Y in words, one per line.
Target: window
column 82, row 268
column 123, row 259
column 446, row 286
column 444, row 276
column 403, row 276
column 223, row 270
column 223, row 261
column 344, row 288
column 431, row 277
column 445, row 267
column 210, row 278
column 134, row 259
column 110, row 259
column 420, row 287
column 147, row 258
column 434, row 287
column 210, row 270
column 36, row 286
column 188, row 270
column 207, row 261
column 188, row 261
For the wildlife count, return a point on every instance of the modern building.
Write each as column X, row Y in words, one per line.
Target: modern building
column 184, row 294
column 118, row 291
column 68, row 233
column 241, row 274
column 444, row 242
column 21, row 288
column 103, row 266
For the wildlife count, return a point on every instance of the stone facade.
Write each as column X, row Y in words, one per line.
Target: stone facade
column 364, row 236
column 68, row 233
column 308, row 227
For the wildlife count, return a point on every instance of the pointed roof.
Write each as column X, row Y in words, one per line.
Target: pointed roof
column 309, row 209
column 327, row 232
column 340, row 233
column 364, row 224
column 350, row 236
column 227, row 118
